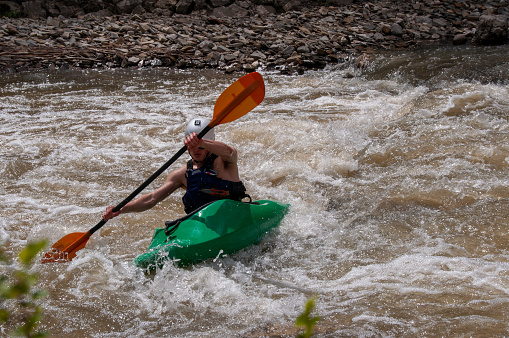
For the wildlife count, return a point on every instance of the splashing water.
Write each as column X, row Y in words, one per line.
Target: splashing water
column 397, row 180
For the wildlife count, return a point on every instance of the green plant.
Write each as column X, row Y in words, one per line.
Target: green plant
column 306, row 320
column 5, row 10
column 18, row 300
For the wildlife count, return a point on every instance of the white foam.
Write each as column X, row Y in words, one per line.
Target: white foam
column 390, row 195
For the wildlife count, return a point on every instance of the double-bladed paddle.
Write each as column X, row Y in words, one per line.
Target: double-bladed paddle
column 236, row 101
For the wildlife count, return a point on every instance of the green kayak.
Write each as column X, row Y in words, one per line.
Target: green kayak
column 220, row 228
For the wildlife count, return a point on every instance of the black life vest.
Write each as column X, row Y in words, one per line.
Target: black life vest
column 203, row 186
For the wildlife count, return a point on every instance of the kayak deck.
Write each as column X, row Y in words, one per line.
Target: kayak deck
column 220, row 228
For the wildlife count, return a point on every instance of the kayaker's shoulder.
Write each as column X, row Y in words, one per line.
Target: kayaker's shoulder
column 178, row 175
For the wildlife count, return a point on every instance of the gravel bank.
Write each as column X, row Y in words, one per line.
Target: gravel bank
column 242, row 39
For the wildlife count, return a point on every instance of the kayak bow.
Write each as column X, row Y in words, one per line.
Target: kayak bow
column 219, row 229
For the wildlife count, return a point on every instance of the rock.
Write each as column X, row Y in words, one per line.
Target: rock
column 34, row 9
column 363, row 61
column 232, row 11
column 184, row 6
column 339, row 2
column 385, row 29
column 133, row 60
column 221, row 3
column 303, row 49
column 166, row 4
column 251, row 67
column 288, row 51
column 138, row 10
column 156, row 63
column 257, row 55
column 200, row 5
column 127, row 6
column 491, row 30
column 292, row 5
column 10, row 29
column 265, row 10
column 378, row 37
column 102, row 13
column 145, row 27
column 396, row 30
column 51, row 21
column 9, row 6
column 237, row 35
column 460, row 39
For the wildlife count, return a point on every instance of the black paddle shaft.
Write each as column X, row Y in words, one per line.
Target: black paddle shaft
column 149, row 180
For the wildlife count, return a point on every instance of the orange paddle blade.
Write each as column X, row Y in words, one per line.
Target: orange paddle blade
column 239, row 99
column 65, row 249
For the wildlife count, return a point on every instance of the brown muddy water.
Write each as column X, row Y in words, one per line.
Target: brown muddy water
column 397, row 176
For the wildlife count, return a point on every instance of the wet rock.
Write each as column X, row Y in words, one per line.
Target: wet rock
column 492, row 30
column 460, row 39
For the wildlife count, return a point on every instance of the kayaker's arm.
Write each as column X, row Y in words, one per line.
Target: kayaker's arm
column 176, row 179
column 227, row 153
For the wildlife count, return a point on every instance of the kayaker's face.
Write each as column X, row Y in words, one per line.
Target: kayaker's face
column 198, row 154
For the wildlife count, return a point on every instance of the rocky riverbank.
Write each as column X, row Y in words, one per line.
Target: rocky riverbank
column 244, row 36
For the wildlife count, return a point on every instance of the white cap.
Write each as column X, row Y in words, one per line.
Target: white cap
column 197, row 125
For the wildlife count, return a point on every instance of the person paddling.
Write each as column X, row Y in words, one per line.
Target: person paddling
column 211, row 174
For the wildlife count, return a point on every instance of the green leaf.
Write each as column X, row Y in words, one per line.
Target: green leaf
column 39, row 294
column 306, row 320
column 17, row 285
column 31, row 250
column 3, row 258
column 4, row 315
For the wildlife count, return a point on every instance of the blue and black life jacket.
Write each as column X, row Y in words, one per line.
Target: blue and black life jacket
column 203, row 186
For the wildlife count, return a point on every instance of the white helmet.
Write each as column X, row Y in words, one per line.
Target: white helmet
column 197, row 125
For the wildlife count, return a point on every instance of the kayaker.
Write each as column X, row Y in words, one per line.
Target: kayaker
column 211, row 174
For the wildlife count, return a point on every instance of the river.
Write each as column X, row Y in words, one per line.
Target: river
column 397, row 176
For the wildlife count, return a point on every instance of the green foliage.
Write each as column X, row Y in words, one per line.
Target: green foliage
column 306, row 320
column 5, row 10
column 18, row 300
column 13, row 14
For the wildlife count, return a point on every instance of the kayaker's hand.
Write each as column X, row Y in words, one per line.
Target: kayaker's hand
column 109, row 214
column 192, row 141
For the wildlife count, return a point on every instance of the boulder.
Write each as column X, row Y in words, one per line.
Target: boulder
column 138, row 10
column 220, row 3
column 459, row 39
column 9, row 6
column 184, row 6
column 262, row 10
column 491, row 30
column 34, row 9
column 232, row 11
column 338, row 2
column 127, row 6
column 10, row 29
column 166, row 4
column 200, row 4
column 396, row 29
